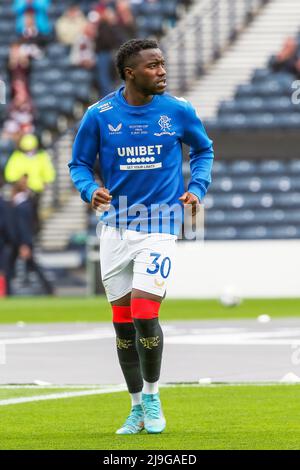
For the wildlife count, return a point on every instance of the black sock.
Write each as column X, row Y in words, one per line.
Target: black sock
column 149, row 344
column 128, row 356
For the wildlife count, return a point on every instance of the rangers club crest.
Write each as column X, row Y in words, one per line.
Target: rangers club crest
column 165, row 126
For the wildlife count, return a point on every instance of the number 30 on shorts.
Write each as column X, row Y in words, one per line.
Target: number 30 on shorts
column 164, row 266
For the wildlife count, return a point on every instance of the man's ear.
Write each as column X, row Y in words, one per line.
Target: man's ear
column 129, row 72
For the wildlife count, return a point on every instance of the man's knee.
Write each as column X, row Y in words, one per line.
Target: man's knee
column 123, row 301
column 121, row 309
column 144, row 309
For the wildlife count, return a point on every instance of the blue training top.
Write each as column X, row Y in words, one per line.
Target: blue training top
column 140, row 159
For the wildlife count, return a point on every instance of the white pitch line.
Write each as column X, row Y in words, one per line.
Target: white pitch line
column 49, row 386
column 252, row 338
column 202, row 341
column 57, row 396
column 122, row 388
column 59, row 338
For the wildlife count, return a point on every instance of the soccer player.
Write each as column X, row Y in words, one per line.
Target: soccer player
column 138, row 132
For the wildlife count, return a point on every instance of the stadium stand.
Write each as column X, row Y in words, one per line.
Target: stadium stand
column 254, row 200
column 265, row 102
column 249, row 199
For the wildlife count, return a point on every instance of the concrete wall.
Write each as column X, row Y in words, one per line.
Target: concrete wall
column 246, row 268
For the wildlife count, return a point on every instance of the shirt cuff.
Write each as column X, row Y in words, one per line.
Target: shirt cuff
column 197, row 190
column 88, row 193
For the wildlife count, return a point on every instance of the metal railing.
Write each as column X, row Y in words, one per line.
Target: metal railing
column 202, row 35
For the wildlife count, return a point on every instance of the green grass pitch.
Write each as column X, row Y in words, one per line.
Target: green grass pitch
column 211, row 417
column 93, row 309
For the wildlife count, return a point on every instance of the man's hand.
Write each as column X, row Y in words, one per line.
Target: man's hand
column 101, row 200
column 190, row 198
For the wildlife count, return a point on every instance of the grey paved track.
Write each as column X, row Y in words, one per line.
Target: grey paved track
column 84, row 353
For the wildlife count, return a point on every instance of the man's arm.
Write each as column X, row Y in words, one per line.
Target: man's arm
column 201, row 153
column 85, row 150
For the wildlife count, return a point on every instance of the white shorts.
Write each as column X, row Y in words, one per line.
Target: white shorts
column 135, row 260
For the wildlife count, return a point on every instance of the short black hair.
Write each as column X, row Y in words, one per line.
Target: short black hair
column 130, row 49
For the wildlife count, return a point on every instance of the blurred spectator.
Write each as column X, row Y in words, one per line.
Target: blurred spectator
column 18, row 67
column 108, row 39
column 30, row 32
column 20, row 119
column 23, row 219
column 83, row 51
column 101, row 5
column 19, row 63
column 70, row 25
column 32, row 18
column 287, row 58
column 8, row 241
column 34, row 163
column 126, row 20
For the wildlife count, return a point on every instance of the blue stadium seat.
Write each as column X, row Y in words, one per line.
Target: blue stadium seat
column 288, row 121
column 3, row 55
column 261, row 75
column 151, row 24
column 6, row 146
column 236, row 121
column 56, row 9
column 48, row 120
column 83, row 93
column 257, row 232
column 57, row 50
column 217, row 217
column 265, row 120
column 66, row 106
column 56, row 104
column 282, row 104
column 276, row 167
column 47, row 103
column 169, row 8
column 43, row 63
column 6, row 11
column 6, row 149
column 65, row 88
column 293, row 167
column 80, row 76
column 284, row 232
column 224, row 233
column 224, row 184
column 5, row 27
column 151, row 8
column 287, row 200
column 243, row 167
column 220, row 168
column 38, row 88
column 49, row 76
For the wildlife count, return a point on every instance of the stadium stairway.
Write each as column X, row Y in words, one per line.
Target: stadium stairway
column 70, row 217
column 202, row 36
column 264, row 37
